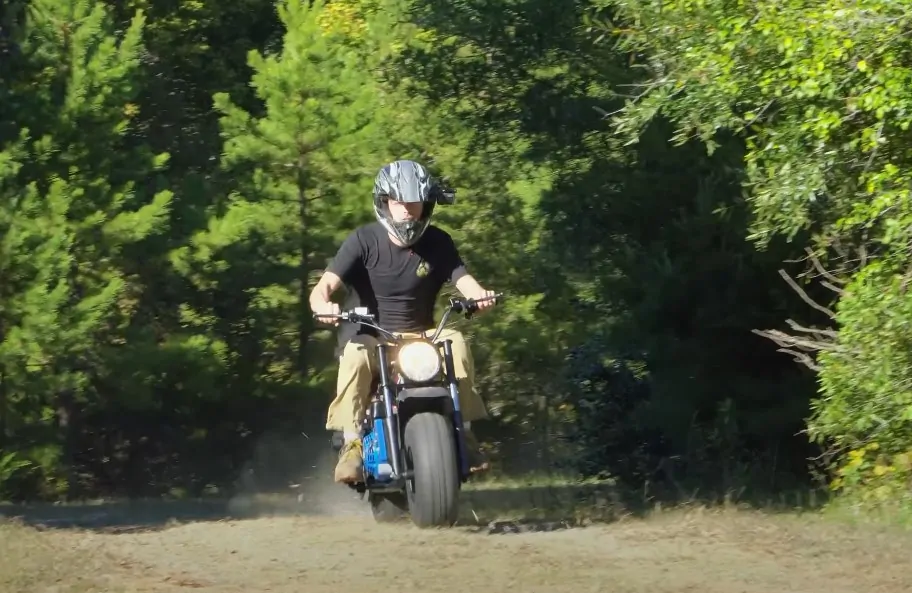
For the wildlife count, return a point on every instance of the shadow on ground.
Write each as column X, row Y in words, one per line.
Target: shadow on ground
column 502, row 510
column 484, row 510
column 492, row 506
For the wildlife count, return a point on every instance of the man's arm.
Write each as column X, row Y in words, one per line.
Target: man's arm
column 321, row 293
column 465, row 283
column 346, row 259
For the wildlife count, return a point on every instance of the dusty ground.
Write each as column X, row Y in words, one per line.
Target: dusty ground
column 323, row 540
column 699, row 551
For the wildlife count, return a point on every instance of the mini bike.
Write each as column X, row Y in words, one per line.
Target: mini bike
column 415, row 458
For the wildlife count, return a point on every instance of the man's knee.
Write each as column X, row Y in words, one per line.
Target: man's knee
column 457, row 338
column 462, row 355
column 473, row 407
column 358, row 354
column 460, row 344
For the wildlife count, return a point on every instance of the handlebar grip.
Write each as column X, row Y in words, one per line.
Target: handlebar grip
column 346, row 315
column 495, row 297
column 469, row 306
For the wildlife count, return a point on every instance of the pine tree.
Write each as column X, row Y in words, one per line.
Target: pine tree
column 304, row 171
column 75, row 196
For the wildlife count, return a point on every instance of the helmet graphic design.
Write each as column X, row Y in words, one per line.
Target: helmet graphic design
column 409, row 182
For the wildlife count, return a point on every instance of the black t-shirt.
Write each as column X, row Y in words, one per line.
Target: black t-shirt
column 398, row 284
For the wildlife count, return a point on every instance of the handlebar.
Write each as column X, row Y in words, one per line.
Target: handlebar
column 356, row 315
column 362, row 315
column 469, row 306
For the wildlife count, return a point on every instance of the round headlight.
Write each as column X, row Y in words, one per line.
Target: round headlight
column 419, row 361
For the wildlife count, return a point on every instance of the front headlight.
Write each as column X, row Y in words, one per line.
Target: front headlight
column 419, row 361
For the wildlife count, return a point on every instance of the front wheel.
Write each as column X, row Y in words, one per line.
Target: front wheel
column 433, row 491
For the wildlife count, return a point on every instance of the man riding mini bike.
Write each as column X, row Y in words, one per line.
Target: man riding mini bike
column 394, row 270
column 412, row 435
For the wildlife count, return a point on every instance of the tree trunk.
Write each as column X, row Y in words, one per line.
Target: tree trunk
column 67, row 424
column 304, row 317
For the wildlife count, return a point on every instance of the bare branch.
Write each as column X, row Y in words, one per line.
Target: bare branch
column 812, row 330
column 802, row 348
column 835, row 289
column 802, row 358
column 804, row 296
column 785, row 340
column 788, row 344
column 840, row 250
column 816, row 263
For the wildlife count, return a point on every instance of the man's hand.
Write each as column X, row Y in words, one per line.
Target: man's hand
column 471, row 289
column 319, row 298
column 485, row 294
column 328, row 308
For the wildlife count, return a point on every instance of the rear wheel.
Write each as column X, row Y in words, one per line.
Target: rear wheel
column 430, row 450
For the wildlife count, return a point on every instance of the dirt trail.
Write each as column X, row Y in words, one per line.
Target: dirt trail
column 324, row 540
column 709, row 552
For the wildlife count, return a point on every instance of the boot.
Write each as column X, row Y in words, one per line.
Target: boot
column 350, row 468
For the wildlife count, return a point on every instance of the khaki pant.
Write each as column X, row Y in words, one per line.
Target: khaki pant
column 358, row 365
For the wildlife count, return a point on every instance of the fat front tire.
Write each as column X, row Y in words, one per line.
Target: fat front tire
column 430, row 449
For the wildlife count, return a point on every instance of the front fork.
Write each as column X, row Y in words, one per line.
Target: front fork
column 457, row 411
column 392, row 420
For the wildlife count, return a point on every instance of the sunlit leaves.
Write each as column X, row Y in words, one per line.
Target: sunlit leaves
column 818, row 90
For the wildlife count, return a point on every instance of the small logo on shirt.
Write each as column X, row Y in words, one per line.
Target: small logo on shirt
column 423, row 270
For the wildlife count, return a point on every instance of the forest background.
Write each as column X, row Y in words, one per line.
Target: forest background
column 699, row 209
